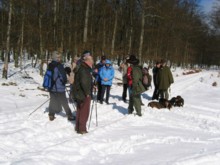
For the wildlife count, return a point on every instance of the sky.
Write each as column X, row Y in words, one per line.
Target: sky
column 207, row 5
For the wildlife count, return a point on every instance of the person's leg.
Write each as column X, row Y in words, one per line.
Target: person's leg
column 161, row 94
column 131, row 105
column 124, row 95
column 99, row 91
column 166, row 94
column 108, row 88
column 156, row 94
column 77, row 116
column 102, row 93
column 52, row 107
column 126, row 91
column 137, row 104
column 84, row 115
column 64, row 102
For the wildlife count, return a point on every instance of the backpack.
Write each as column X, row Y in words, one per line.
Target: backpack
column 48, row 81
column 146, row 79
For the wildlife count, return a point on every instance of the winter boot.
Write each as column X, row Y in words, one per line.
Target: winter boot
column 51, row 118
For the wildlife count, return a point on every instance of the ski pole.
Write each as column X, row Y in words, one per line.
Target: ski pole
column 96, row 112
column 90, row 118
column 38, row 107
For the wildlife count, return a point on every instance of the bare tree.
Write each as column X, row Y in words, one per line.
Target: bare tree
column 85, row 31
column 5, row 68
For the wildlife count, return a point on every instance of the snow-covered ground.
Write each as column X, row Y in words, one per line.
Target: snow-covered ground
column 182, row 136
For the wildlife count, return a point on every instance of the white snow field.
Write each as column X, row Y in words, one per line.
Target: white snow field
column 182, row 136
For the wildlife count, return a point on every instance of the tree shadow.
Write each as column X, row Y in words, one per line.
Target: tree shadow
column 120, row 109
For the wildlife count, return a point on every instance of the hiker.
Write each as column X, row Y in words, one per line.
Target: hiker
column 155, row 73
column 106, row 75
column 98, row 80
column 124, row 68
column 57, row 93
column 82, row 91
column 164, row 80
column 136, row 87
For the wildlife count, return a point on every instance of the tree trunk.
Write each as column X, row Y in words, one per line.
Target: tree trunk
column 142, row 34
column 55, row 24
column 16, row 58
column 40, row 37
column 22, row 37
column 131, row 32
column 114, row 34
column 85, row 31
column 5, row 69
column 104, row 38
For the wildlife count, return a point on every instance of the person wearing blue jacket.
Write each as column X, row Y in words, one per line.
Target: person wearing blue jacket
column 57, row 93
column 106, row 75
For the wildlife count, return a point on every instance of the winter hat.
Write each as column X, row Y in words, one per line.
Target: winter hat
column 55, row 55
column 103, row 58
column 133, row 60
column 108, row 62
column 86, row 54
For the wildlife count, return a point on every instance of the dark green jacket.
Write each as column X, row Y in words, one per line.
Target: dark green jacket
column 137, row 77
column 82, row 86
column 164, row 78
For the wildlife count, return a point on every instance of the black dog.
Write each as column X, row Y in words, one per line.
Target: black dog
column 177, row 101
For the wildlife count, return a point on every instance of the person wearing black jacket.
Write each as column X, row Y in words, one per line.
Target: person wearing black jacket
column 155, row 73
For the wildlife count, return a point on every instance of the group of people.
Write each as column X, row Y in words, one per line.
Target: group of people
column 84, row 79
column 87, row 79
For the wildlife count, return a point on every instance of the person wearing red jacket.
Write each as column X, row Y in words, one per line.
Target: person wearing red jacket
column 129, row 76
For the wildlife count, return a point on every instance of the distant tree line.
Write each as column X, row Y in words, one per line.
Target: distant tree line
column 152, row 29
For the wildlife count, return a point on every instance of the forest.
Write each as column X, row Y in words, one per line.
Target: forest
column 176, row 30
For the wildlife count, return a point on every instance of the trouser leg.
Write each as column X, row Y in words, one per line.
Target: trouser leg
column 108, row 88
column 131, row 103
column 82, row 114
column 156, row 94
column 99, row 91
column 54, row 105
column 164, row 94
column 137, row 104
column 102, row 93
column 64, row 103
column 124, row 95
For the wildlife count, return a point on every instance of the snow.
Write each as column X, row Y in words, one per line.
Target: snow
column 189, row 135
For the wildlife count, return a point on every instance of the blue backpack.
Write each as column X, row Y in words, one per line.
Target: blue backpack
column 48, row 81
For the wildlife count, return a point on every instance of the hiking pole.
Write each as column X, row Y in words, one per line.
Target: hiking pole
column 96, row 109
column 90, row 118
column 38, row 107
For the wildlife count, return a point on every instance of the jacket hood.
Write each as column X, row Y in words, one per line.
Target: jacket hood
column 108, row 62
